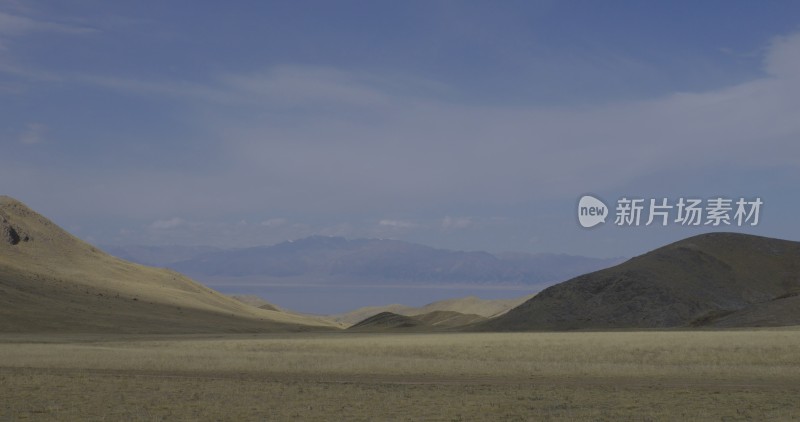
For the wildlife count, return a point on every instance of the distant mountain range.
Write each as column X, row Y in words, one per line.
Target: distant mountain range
column 331, row 260
column 710, row 280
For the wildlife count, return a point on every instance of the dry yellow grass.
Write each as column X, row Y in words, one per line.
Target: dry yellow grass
column 699, row 375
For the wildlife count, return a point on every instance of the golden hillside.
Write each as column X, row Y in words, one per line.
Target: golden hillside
column 53, row 281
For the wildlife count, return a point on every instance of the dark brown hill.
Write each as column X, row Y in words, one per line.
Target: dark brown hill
column 717, row 279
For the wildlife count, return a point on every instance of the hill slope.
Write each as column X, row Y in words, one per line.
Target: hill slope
column 469, row 305
column 388, row 321
column 431, row 321
column 256, row 301
column 448, row 319
column 718, row 279
column 52, row 281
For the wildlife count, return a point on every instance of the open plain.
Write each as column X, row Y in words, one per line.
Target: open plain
column 637, row 375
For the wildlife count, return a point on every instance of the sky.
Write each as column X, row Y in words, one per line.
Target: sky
column 470, row 125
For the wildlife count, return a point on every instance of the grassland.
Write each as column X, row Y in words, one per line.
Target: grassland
column 698, row 375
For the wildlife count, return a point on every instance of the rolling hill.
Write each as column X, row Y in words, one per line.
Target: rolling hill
column 431, row 321
column 466, row 305
column 388, row 321
column 448, row 319
column 710, row 280
column 50, row 281
column 256, row 301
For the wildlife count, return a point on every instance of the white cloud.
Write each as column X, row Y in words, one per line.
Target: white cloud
column 33, row 134
column 169, row 224
column 783, row 57
column 21, row 71
column 20, row 7
column 450, row 223
column 303, row 85
column 430, row 151
column 16, row 25
column 398, row 224
column 275, row 222
column 381, row 153
column 280, row 87
column 179, row 90
column 340, row 229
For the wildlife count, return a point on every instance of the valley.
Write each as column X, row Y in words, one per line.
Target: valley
column 658, row 376
column 88, row 336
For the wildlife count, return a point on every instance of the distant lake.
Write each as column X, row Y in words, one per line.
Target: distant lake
column 330, row 299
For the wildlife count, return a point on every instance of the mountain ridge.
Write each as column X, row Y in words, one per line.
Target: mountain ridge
column 382, row 261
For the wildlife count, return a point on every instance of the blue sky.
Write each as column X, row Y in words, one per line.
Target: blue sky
column 466, row 125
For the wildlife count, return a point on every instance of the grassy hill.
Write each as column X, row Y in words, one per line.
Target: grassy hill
column 256, row 301
column 718, row 279
column 470, row 305
column 388, row 321
column 50, row 281
column 431, row 321
column 448, row 319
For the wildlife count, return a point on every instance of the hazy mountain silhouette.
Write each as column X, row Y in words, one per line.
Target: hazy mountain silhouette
column 375, row 261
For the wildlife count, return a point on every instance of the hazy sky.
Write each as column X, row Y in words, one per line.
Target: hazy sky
column 463, row 124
